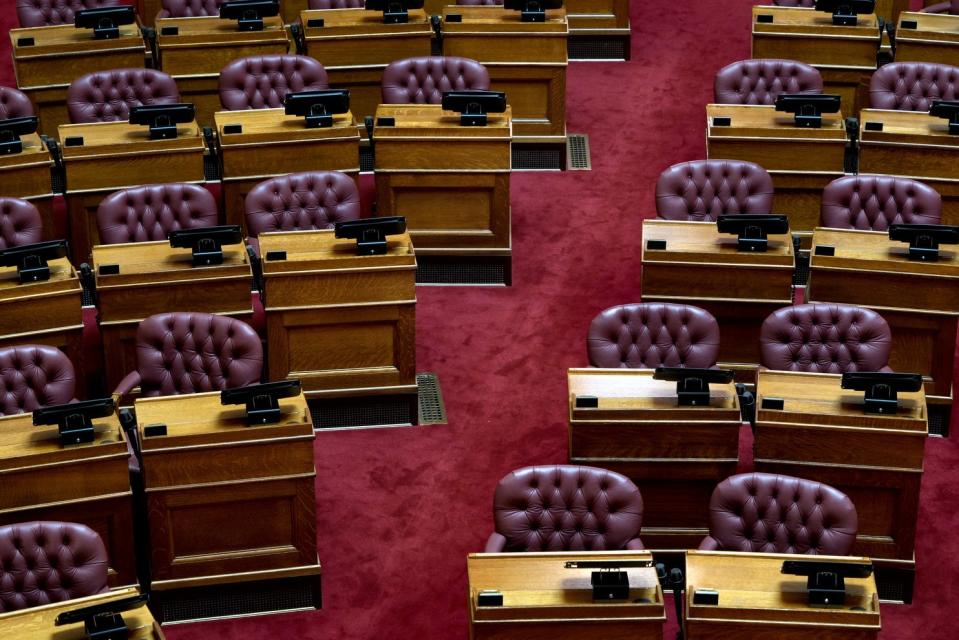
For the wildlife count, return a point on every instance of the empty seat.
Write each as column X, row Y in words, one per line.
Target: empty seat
column 761, row 81
column 151, row 212
column 702, row 190
column 14, row 104
column 35, row 376
column 912, row 86
column 108, row 96
column 423, row 80
column 43, row 13
column 951, row 7
column 20, row 223
column 262, row 82
column 874, row 202
column 189, row 8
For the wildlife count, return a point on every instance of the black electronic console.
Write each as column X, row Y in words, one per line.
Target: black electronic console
column 394, row 11
column 162, row 118
column 249, row 14
column 532, row 10
column 370, row 233
column 103, row 621
column 752, row 230
column 826, row 583
column 692, row 385
column 924, row 239
column 206, row 243
column 261, row 400
column 105, row 21
column 845, row 12
column 881, row 388
column 10, row 131
column 948, row 109
column 807, row 108
column 609, row 581
column 75, row 420
column 31, row 259
column 473, row 105
column 317, row 107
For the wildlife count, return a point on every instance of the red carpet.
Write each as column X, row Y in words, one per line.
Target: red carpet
column 399, row 509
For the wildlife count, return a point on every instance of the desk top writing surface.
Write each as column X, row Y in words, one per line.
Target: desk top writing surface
column 196, row 30
column 430, row 120
column 63, row 277
column 874, row 251
column 930, row 27
column 701, row 242
column 321, row 250
column 910, row 127
column 34, row 151
column 22, row 443
column 157, row 261
column 499, row 20
column 806, row 20
column 65, row 38
column 763, row 121
column 359, row 23
column 273, row 125
column 105, row 138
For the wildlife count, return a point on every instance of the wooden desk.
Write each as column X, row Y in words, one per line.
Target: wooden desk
column 37, row 623
column 675, row 455
column 527, row 60
column 758, row 602
column 451, row 182
column 844, row 55
column 934, row 38
column 822, row 434
column 801, row 161
column 355, row 47
column 599, row 20
column 916, row 145
column 919, row 300
column 59, row 55
column 702, row 267
column 345, row 325
column 202, row 46
column 271, row 143
column 117, row 155
column 155, row 278
column 88, row 483
column 543, row 599
column 26, row 175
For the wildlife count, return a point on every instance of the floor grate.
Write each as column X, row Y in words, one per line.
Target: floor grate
column 231, row 600
column 366, row 159
column 463, row 271
column 939, row 416
column 211, row 168
column 86, row 298
column 431, row 409
column 532, row 158
column 577, row 150
column 597, row 48
column 368, row 411
column 801, row 274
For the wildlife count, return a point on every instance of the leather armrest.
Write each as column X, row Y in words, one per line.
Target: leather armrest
column 496, row 543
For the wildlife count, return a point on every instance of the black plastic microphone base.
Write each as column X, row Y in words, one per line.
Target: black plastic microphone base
column 610, row 585
column 322, row 121
column 106, row 33
column 845, row 19
column 249, row 24
column 396, row 17
column 808, row 121
column 10, row 147
column 533, row 16
column 163, row 132
column 826, row 589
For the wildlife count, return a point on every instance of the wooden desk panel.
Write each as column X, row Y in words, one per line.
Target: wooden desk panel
column 26, row 175
column 935, row 38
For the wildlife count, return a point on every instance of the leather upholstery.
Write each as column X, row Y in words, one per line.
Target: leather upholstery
column 20, row 223
column 423, row 80
column 34, row 376
column 189, row 8
column 701, row 190
column 566, row 508
column 107, row 96
column 42, row 13
column 151, row 212
column 795, row 3
column 337, row 4
column 14, row 104
column 825, row 338
column 309, row 200
column 873, row 202
column 769, row 513
column 951, row 7
column 912, row 86
column 262, row 82
column 761, row 81
column 485, row 3
column 44, row 562
column 184, row 352
column 653, row 334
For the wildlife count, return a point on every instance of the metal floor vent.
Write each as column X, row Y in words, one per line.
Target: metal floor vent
column 233, row 600
column 533, row 158
column 597, row 48
column 939, row 416
column 577, row 152
column 431, row 409
column 463, row 271
column 894, row 585
column 86, row 298
column 369, row 411
column 211, row 167
column 366, row 159
column 801, row 274
column 58, row 180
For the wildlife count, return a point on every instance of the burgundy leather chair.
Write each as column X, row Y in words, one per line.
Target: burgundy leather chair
column 20, row 223
column 34, row 376
column 769, row 513
column 873, row 202
column 565, row 508
column 107, row 96
column 951, row 7
column 484, row 3
column 44, row 562
column 187, row 352
column 262, row 82
column 912, row 86
column 301, row 201
column 825, row 338
column 151, row 212
column 761, row 81
column 653, row 334
column 189, row 8
column 337, row 4
column 701, row 190
column 14, row 104
column 423, row 80
column 43, row 13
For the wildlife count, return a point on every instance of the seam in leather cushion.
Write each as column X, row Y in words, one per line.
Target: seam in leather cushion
column 702, row 190
column 262, row 82
column 34, row 376
column 20, row 223
column 151, row 212
column 302, row 201
column 423, row 80
column 14, row 104
column 42, row 13
column 761, row 81
column 912, row 86
column 874, row 202
column 108, row 96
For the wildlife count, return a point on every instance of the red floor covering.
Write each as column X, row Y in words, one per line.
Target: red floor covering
column 399, row 509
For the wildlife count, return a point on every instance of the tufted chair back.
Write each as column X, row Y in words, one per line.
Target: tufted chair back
column 34, row 376
column 484, row 3
column 20, row 223
column 44, row 562
column 43, row 13
column 142, row 214
column 189, row 8
column 566, row 508
column 761, row 81
column 107, row 96
column 701, row 190
column 653, row 334
column 301, row 201
column 873, row 202
column 912, row 86
column 951, row 7
column 337, row 4
column 262, row 82
column 825, row 338
column 185, row 352
column 769, row 513
column 14, row 104
column 423, row 80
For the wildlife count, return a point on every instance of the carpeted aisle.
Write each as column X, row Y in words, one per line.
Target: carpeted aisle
column 399, row 509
